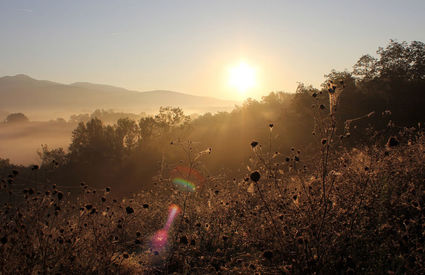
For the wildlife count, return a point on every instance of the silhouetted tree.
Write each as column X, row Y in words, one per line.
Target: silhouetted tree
column 16, row 118
column 127, row 134
column 52, row 157
column 147, row 126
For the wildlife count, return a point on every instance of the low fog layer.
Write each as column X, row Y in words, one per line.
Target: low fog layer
column 19, row 142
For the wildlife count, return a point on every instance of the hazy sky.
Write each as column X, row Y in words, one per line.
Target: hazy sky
column 188, row 46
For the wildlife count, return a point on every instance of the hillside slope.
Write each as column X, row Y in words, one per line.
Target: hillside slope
column 21, row 93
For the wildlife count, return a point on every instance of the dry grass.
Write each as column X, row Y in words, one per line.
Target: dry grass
column 339, row 210
column 370, row 220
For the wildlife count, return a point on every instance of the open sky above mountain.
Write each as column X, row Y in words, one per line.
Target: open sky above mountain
column 191, row 46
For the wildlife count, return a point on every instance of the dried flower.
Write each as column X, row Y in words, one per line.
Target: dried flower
column 255, row 176
column 129, row 210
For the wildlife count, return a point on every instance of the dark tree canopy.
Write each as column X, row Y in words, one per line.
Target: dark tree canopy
column 398, row 61
column 16, row 118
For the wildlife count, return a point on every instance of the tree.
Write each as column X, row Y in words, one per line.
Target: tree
column 366, row 68
column 127, row 133
column 16, row 118
column 147, row 128
column 52, row 157
column 398, row 61
column 166, row 121
column 417, row 60
column 92, row 141
column 170, row 117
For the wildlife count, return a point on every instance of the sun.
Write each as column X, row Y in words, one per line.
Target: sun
column 242, row 77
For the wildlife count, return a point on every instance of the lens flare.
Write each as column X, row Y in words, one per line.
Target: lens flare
column 173, row 211
column 186, row 178
column 187, row 173
column 184, row 184
column 159, row 240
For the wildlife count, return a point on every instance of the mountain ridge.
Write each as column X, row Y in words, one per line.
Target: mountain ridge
column 22, row 93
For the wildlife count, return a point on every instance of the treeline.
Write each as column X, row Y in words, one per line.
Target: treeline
column 126, row 154
column 380, row 94
column 107, row 116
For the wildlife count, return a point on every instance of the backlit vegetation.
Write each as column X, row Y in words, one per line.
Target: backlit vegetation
column 302, row 183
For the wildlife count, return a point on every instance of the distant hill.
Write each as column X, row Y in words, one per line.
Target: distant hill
column 47, row 100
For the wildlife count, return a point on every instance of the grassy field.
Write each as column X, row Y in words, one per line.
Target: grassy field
column 342, row 210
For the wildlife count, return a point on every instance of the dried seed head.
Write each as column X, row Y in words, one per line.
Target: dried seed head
column 255, row 176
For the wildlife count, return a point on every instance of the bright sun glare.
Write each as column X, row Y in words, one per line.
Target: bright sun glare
column 242, row 77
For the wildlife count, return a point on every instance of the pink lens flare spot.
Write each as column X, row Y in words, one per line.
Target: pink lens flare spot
column 159, row 240
column 174, row 207
column 174, row 210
